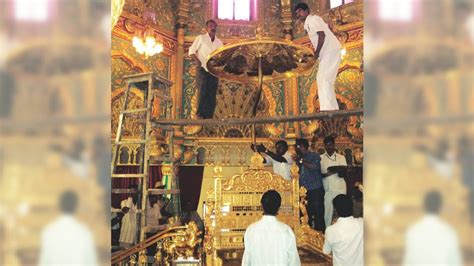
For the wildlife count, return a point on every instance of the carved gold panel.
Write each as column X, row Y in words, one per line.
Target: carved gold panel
column 234, row 203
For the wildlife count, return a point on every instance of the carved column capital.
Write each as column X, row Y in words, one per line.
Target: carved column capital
column 183, row 13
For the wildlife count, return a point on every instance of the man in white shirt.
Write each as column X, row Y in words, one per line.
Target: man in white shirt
column 431, row 241
column 128, row 230
column 67, row 241
column 345, row 238
column 268, row 241
column 333, row 183
column 281, row 159
column 201, row 48
column 328, row 50
column 153, row 214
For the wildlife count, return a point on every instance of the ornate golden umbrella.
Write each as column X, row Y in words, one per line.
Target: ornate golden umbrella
column 261, row 59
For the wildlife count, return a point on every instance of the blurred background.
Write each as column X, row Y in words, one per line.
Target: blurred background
column 418, row 126
column 55, row 120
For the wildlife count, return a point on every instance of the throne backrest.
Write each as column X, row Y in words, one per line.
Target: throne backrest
column 234, row 204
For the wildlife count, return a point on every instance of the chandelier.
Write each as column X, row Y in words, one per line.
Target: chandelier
column 146, row 44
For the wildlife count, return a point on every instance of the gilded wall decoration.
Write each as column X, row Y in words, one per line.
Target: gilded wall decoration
column 131, row 127
column 124, row 51
column 129, row 25
column 347, row 14
column 237, row 31
column 164, row 10
column 236, row 100
column 349, row 93
column 126, row 61
column 122, row 66
column 275, row 94
column 190, row 87
column 197, row 19
column 272, row 14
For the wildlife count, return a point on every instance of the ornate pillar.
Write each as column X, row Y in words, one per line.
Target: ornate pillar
column 287, row 19
column 291, row 84
column 183, row 12
column 292, row 107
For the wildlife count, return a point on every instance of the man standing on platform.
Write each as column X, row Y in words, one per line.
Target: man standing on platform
column 334, row 184
column 311, row 179
column 328, row 50
column 201, row 48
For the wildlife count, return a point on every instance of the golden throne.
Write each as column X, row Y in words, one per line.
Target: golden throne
column 234, row 203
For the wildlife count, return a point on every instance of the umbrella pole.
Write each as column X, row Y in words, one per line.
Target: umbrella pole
column 259, row 94
column 254, row 136
column 260, row 85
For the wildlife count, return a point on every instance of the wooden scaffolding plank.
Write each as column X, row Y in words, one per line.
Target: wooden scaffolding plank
column 258, row 120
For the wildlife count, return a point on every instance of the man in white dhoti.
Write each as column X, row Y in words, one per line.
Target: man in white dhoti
column 328, row 50
column 128, row 231
column 332, row 182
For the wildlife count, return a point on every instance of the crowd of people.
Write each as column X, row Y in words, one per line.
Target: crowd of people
column 323, row 177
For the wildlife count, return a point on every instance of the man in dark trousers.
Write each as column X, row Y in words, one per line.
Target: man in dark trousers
column 201, row 48
column 312, row 179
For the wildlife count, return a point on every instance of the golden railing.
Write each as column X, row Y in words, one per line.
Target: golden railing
column 172, row 243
